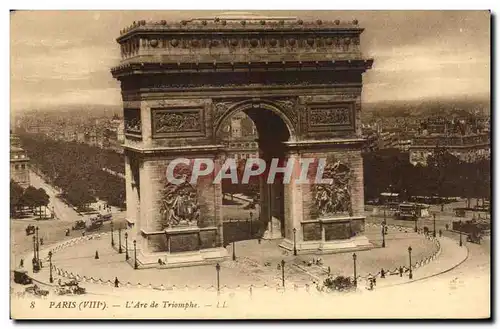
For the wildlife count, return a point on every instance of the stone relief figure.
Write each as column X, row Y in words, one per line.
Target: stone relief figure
column 133, row 125
column 335, row 197
column 179, row 204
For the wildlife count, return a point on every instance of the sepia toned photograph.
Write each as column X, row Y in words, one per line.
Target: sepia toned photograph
column 250, row 165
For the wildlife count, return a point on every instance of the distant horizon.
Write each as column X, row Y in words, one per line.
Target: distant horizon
column 465, row 99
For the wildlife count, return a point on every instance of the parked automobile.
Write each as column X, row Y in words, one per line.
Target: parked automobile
column 79, row 225
column 30, row 229
column 21, row 277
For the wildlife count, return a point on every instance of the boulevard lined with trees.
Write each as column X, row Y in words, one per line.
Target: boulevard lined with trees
column 77, row 170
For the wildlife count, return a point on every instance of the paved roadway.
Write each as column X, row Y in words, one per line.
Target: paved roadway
column 62, row 210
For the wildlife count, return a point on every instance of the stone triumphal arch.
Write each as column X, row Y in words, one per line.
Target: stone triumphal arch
column 300, row 82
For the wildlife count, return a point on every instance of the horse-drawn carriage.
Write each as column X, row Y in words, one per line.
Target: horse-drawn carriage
column 70, row 288
column 35, row 290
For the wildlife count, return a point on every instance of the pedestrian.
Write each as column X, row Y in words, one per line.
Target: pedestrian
column 67, row 232
column 386, row 229
column 401, row 271
column 96, row 255
column 116, row 282
column 259, row 240
column 447, row 227
column 374, row 280
column 382, row 273
column 440, row 233
column 83, row 233
column 329, row 270
column 59, row 282
column 41, row 241
column 21, row 263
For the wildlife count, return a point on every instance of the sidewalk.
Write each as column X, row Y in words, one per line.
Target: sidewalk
column 451, row 256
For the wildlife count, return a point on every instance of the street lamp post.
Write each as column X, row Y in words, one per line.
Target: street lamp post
column 294, row 242
column 126, row 246
column 383, row 236
column 135, row 255
column 120, row 240
column 234, row 253
column 354, row 260
column 460, row 232
column 37, row 244
column 51, row 279
column 112, row 238
column 217, row 268
column 434, row 223
column 409, row 256
column 416, row 220
column 251, row 218
column 283, row 272
column 35, row 263
column 34, row 247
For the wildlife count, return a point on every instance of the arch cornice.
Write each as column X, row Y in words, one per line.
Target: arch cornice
column 285, row 108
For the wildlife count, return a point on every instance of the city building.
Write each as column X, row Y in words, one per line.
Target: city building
column 19, row 163
column 466, row 137
column 240, row 137
column 467, row 148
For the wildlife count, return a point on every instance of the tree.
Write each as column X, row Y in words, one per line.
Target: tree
column 30, row 197
column 16, row 194
column 41, row 200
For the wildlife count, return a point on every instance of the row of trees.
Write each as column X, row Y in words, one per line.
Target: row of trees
column 30, row 198
column 77, row 169
column 444, row 176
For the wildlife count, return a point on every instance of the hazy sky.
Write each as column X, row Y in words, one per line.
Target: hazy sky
column 65, row 57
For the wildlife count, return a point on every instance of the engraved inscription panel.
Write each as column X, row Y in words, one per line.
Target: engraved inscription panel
column 311, row 231
column 337, row 231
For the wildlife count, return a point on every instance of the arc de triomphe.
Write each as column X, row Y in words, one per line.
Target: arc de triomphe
column 300, row 82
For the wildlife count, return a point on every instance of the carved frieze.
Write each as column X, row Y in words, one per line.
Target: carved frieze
column 334, row 198
column 132, row 121
column 268, row 43
column 177, row 122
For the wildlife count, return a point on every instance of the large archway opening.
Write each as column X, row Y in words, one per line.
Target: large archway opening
column 253, row 209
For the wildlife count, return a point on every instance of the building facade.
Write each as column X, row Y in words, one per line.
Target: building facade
column 19, row 163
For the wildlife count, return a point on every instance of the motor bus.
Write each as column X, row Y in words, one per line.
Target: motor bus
column 412, row 211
